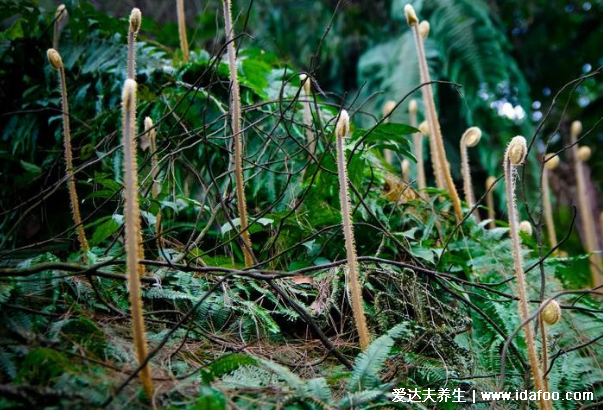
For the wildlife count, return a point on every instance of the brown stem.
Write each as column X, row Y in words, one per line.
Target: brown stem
column 135, row 21
column 418, row 148
column 490, row 181
column 156, row 188
column 182, row 29
column 57, row 63
column 388, row 107
column 237, row 137
column 469, row 139
column 510, row 164
column 307, row 88
column 348, row 232
column 434, row 126
column 544, row 357
column 59, row 16
column 586, row 216
column 424, row 76
column 548, row 210
column 132, row 230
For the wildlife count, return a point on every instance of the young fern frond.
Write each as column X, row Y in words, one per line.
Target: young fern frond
column 132, row 229
column 135, row 21
column 551, row 162
column 526, row 228
column 424, row 29
column 57, row 63
column 490, row 181
column 418, row 144
column 581, row 155
column 59, row 17
column 424, row 128
column 342, row 130
column 548, row 317
column 235, row 109
column 514, row 156
column 428, row 100
column 306, row 83
column 151, row 135
column 182, row 29
column 388, row 107
column 470, row 138
column 551, row 313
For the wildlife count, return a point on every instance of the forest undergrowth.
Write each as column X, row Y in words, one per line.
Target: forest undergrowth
column 189, row 228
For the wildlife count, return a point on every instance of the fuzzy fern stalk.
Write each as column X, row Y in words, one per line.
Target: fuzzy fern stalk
column 581, row 155
column 548, row 317
column 59, row 17
column 434, row 154
column 551, row 162
column 470, row 138
column 514, row 156
column 135, row 21
column 182, row 29
column 342, row 130
column 405, row 166
column 434, row 125
column 490, row 181
column 57, row 63
column 418, row 144
column 132, row 221
column 306, row 83
column 151, row 137
column 134, row 27
column 235, row 110
column 437, row 173
column 388, row 107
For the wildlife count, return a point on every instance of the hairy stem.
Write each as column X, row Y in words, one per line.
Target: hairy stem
column 490, row 181
column 57, row 63
column 237, row 137
column 75, row 206
column 435, row 133
column 350, row 246
column 424, row 76
column 418, row 150
column 135, row 21
column 469, row 139
column 132, row 230
column 548, row 210
column 388, row 108
column 467, row 187
column 59, row 16
column 156, row 187
column 510, row 171
column 586, row 216
column 182, row 29
column 544, row 349
column 131, row 64
column 307, row 89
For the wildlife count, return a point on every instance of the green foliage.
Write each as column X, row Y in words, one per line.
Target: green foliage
column 439, row 300
column 369, row 363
